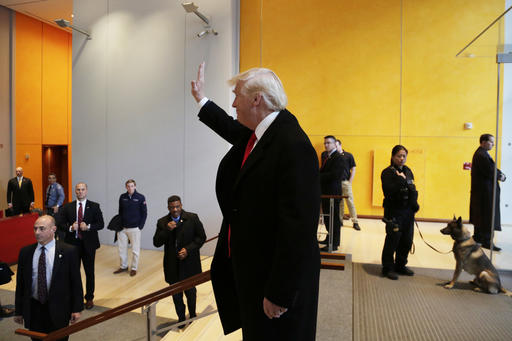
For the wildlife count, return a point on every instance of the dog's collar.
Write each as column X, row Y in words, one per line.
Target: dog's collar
column 463, row 239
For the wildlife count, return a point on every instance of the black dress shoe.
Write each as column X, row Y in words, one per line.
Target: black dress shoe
column 405, row 271
column 326, row 248
column 390, row 274
column 324, row 242
column 494, row 247
column 356, row 227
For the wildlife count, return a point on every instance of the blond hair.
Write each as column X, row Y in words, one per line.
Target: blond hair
column 264, row 82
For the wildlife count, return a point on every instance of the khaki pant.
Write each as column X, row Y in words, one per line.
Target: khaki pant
column 346, row 190
column 132, row 234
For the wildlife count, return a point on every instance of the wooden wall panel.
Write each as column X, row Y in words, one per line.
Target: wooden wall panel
column 55, row 85
column 28, row 79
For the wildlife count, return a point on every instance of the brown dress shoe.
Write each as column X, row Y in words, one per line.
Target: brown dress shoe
column 89, row 304
column 133, row 272
column 118, row 271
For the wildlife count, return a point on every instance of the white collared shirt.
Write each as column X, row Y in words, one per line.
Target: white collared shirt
column 50, row 257
column 78, row 206
column 84, row 202
column 262, row 127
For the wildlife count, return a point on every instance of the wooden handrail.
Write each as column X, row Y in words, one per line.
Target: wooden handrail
column 125, row 308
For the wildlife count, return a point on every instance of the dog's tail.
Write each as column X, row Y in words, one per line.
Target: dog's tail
column 506, row 292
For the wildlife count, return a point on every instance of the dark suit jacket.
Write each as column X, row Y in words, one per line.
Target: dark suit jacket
column 272, row 206
column 331, row 172
column 65, row 293
column 188, row 234
column 482, row 177
column 20, row 197
column 92, row 215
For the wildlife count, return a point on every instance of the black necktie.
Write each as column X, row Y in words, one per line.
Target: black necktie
column 42, row 291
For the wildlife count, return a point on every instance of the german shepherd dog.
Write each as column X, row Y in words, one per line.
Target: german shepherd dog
column 470, row 257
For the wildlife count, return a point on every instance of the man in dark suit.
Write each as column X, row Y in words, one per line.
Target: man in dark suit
column 20, row 193
column 182, row 235
column 48, row 284
column 266, row 265
column 80, row 220
column 331, row 172
column 482, row 179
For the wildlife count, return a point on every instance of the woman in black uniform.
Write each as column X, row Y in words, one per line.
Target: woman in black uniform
column 400, row 205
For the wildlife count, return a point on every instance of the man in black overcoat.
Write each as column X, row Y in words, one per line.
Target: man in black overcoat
column 482, row 179
column 331, row 171
column 81, row 220
column 53, row 301
column 20, row 193
column 182, row 235
column 266, row 266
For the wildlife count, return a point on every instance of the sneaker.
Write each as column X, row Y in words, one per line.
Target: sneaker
column 356, row 227
column 405, row 271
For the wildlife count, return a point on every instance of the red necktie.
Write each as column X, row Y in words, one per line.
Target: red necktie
column 80, row 219
column 248, row 149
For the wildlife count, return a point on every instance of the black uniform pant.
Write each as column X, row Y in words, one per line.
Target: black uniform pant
column 398, row 240
column 87, row 257
column 335, row 219
column 40, row 320
column 18, row 208
column 180, row 306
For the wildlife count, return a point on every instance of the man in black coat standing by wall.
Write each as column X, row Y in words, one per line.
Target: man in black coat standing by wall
column 81, row 220
column 48, row 284
column 331, row 172
column 20, row 193
column 482, row 179
column 266, row 265
column 182, row 235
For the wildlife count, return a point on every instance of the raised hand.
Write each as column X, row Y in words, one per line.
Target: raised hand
column 197, row 86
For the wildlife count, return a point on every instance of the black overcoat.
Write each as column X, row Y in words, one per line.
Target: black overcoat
column 272, row 206
column 482, row 176
column 189, row 234
column 331, row 172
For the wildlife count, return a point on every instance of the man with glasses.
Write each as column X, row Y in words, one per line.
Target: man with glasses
column 48, row 283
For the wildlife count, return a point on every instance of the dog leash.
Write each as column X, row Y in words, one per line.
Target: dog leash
column 433, row 248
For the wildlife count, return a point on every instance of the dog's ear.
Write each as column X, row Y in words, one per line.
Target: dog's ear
column 459, row 221
column 454, row 217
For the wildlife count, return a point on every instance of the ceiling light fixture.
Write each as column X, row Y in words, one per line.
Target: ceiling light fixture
column 190, row 7
column 64, row 23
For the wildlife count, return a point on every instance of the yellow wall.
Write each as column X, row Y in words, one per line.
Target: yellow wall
column 42, row 95
column 378, row 73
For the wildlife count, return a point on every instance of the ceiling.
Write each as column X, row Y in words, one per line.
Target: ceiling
column 44, row 10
